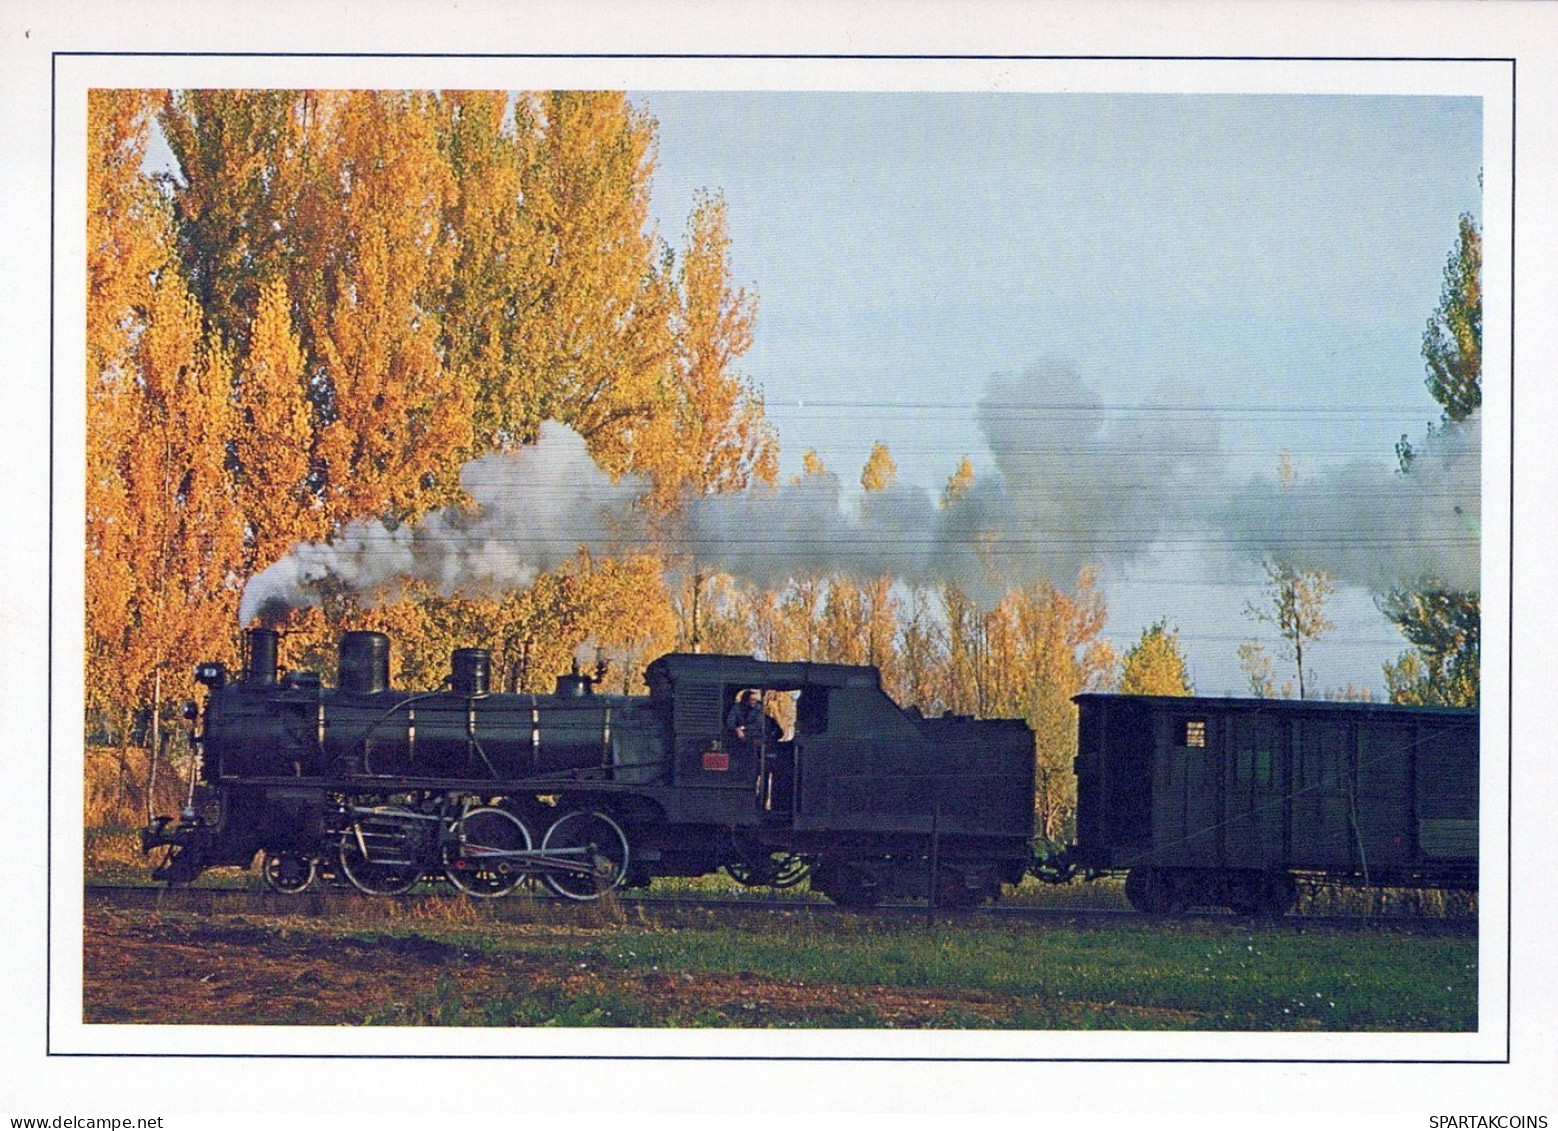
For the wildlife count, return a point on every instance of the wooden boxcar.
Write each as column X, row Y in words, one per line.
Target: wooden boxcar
column 1225, row 801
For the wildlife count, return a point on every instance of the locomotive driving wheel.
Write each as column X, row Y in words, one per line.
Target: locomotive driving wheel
column 378, row 853
column 481, row 859
column 589, row 855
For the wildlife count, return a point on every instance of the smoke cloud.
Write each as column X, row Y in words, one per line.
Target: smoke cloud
column 531, row 511
column 1372, row 525
column 1075, row 483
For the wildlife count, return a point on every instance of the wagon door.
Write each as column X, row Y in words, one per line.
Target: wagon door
column 1385, row 826
column 1321, row 824
column 1447, row 767
column 1256, row 793
column 1186, row 789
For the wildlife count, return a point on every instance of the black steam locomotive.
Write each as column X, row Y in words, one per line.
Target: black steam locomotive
column 589, row 792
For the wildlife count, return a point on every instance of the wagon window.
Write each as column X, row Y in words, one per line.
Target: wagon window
column 1195, row 732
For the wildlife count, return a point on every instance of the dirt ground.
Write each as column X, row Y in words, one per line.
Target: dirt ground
column 145, row 967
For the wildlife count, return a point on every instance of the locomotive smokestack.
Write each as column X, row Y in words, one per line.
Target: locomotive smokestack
column 470, row 671
column 364, row 663
column 260, row 671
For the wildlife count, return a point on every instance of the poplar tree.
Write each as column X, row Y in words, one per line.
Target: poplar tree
column 395, row 428
column 272, row 445
column 1155, row 664
column 1443, row 625
column 1295, row 606
column 713, row 436
column 594, row 339
column 234, row 196
column 1295, row 598
column 879, row 605
column 126, row 246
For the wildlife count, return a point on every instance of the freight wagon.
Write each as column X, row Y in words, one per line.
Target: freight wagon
column 1226, row 802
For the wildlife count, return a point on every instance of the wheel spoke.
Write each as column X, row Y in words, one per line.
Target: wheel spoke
column 592, row 855
column 483, row 858
column 380, row 852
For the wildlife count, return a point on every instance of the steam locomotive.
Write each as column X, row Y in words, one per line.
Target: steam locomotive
column 588, row 792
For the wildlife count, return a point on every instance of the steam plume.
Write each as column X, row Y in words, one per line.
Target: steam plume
column 1072, row 485
column 531, row 511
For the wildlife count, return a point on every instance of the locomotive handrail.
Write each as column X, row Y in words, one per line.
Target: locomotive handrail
column 367, row 735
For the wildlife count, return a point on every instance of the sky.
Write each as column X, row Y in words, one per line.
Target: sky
column 1228, row 277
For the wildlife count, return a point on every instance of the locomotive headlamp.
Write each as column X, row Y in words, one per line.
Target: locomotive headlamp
column 212, row 675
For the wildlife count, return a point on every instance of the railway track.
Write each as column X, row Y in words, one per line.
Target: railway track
column 346, row 903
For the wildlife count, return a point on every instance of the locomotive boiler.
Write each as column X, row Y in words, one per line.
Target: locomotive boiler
column 588, row 792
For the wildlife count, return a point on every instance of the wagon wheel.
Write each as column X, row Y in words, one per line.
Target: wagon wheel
column 952, row 891
column 789, row 870
column 479, row 860
column 848, row 885
column 1151, row 892
column 1278, row 893
column 1266, row 895
column 591, row 855
column 288, row 872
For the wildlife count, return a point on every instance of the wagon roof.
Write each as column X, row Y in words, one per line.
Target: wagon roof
column 1290, row 706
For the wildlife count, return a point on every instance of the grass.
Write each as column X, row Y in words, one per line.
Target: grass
column 608, row 967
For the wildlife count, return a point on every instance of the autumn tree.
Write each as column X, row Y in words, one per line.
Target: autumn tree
column 1257, row 668
column 879, row 605
column 1443, row 624
column 234, row 196
column 1452, row 343
column 271, row 449
column 595, row 341
column 1444, row 629
column 1039, row 647
column 1294, row 602
column 497, row 260
column 714, row 436
column 1155, row 664
column 1294, row 605
column 176, row 499
column 127, row 249
column 395, row 429
column 164, row 534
